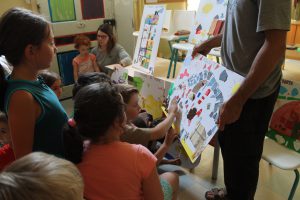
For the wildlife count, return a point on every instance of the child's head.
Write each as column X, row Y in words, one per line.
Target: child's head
column 130, row 96
column 52, row 80
column 106, row 37
column 4, row 130
column 82, row 44
column 90, row 78
column 25, row 38
column 98, row 108
column 41, row 176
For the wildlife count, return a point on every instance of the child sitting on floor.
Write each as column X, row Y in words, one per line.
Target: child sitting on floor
column 52, row 80
column 113, row 169
column 137, row 135
column 84, row 62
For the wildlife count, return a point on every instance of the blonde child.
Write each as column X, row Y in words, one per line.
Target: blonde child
column 52, row 80
column 39, row 176
column 112, row 169
column 84, row 62
column 35, row 116
column 137, row 135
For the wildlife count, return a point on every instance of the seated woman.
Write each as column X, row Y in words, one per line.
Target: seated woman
column 108, row 51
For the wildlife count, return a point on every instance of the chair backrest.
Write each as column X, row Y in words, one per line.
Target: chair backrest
column 208, row 10
column 183, row 20
column 284, row 126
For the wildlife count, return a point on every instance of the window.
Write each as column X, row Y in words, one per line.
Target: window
column 193, row 4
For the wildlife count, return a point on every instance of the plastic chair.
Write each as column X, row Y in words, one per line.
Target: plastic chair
column 283, row 158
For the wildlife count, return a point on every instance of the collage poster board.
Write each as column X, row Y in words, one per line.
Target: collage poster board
column 149, row 37
column 284, row 126
column 200, row 89
column 208, row 10
column 152, row 93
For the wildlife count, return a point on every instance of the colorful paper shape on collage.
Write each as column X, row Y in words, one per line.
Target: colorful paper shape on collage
column 285, row 122
column 120, row 76
column 149, row 36
column 151, row 91
column 176, row 150
column 61, row 11
column 200, row 89
column 208, row 10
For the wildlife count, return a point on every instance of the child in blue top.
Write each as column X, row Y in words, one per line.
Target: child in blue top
column 35, row 116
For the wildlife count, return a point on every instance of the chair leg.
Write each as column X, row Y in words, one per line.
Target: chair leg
column 175, row 62
column 171, row 62
column 295, row 184
column 218, row 59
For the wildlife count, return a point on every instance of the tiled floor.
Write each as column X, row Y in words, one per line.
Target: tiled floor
column 273, row 184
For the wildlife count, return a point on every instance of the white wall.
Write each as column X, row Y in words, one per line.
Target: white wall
column 123, row 11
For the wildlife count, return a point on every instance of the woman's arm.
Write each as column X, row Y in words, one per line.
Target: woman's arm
column 21, row 121
column 75, row 70
column 151, row 187
column 95, row 66
column 125, row 59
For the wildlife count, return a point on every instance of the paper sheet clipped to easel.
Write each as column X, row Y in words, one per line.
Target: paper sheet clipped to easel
column 201, row 87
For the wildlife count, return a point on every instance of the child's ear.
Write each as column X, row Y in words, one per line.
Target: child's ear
column 29, row 51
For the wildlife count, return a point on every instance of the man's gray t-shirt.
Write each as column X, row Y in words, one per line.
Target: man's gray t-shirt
column 246, row 21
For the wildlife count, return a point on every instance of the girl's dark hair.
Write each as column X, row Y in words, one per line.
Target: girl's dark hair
column 96, row 108
column 89, row 78
column 19, row 28
column 108, row 29
column 49, row 77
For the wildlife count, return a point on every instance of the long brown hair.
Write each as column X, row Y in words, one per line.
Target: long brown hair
column 108, row 30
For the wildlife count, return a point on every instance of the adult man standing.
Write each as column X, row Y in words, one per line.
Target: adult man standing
column 252, row 45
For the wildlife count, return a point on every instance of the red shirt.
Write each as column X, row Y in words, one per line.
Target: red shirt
column 6, row 156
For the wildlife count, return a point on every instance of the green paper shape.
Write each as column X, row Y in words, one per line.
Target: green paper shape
column 62, row 10
column 138, row 83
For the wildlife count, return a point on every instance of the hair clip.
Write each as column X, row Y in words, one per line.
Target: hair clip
column 71, row 122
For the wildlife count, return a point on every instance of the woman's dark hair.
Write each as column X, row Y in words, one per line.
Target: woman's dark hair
column 19, row 28
column 108, row 30
column 90, row 78
column 96, row 108
column 49, row 77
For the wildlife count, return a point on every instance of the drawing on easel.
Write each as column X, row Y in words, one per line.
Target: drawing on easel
column 285, row 121
column 209, row 20
column 151, row 92
column 200, row 89
column 149, row 37
column 61, row 11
